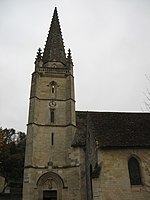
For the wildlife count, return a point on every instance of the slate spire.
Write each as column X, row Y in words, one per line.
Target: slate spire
column 54, row 48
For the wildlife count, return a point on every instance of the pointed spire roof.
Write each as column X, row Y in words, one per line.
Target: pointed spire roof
column 54, row 48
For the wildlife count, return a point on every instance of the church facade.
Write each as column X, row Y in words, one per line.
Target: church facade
column 77, row 155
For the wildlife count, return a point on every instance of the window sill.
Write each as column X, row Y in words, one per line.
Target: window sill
column 136, row 188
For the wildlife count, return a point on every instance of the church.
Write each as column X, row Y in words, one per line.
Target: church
column 78, row 155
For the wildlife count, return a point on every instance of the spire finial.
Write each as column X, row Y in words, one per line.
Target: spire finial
column 54, row 48
column 55, row 3
column 38, row 59
column 39, row 53
column 69, row 57
column 69, row 52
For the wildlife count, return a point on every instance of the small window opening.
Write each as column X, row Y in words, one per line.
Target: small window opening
column 53, row 89
column 134, row 171
column 91, row 186
column 52, row 139
column 52, row 116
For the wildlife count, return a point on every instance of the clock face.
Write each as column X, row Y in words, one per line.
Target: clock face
column 52, row 103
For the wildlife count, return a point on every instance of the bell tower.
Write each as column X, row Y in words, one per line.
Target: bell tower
column 51, row 165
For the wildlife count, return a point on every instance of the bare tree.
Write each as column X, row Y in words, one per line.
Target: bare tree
column 147, row 96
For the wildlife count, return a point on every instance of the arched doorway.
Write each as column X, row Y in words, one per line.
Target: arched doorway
column 50, row 186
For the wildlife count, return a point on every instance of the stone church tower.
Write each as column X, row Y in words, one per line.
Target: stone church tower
column 51, row 164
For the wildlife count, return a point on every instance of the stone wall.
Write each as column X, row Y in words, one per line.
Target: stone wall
column 114, row 182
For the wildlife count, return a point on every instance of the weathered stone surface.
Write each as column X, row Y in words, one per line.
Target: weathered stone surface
column 114, row 182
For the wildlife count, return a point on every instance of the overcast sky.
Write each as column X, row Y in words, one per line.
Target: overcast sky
column 110, row 43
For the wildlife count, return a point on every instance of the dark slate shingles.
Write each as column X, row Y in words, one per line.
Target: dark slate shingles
column 114, row 129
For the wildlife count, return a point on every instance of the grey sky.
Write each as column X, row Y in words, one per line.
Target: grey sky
column 110, row 43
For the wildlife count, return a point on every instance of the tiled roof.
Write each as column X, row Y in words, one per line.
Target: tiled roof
column 113, row 129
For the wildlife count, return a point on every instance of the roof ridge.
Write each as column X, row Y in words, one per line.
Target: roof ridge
column 117, row 112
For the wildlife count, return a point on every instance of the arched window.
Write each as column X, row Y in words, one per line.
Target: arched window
column 134, row 171
column 53, row 86
column 53, row 89
column 52, row 116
